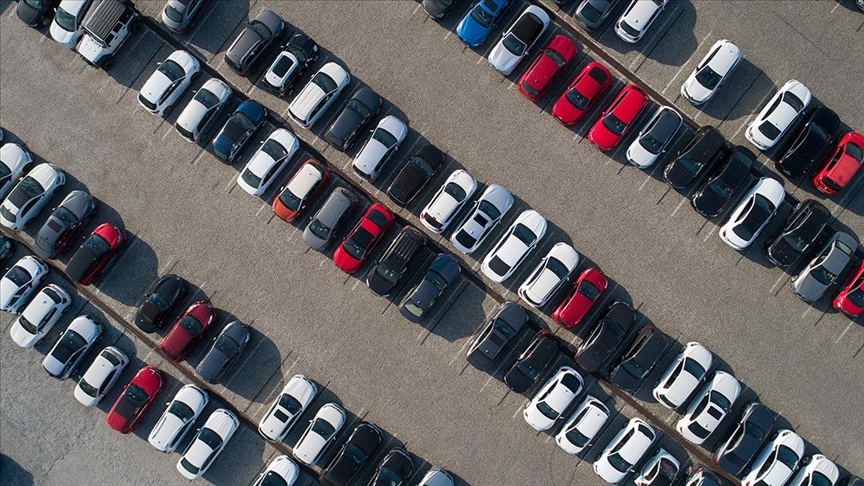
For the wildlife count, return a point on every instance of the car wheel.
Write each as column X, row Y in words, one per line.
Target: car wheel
column 45, row 21
column 136, row 26
column 805, row 461
column 772, row 436
column 108, row 64
column 746, row 471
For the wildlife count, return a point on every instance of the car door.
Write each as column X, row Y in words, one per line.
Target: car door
column 45, row 320
column 103, row 388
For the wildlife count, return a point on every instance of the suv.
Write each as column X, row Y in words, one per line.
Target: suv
column 697, row 158
column 392, row 265
column 106, row 28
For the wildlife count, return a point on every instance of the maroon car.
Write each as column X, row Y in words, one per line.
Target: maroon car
column 187, row 331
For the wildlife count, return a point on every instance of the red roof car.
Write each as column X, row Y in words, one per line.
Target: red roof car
column 351, row 253
column 586, row 291
column 546, row 67
column 611, row 127
column 135, row 400
column 582, row 92
column 96, row 253
column 842, row 166
column 187, row 330
column 850, row 300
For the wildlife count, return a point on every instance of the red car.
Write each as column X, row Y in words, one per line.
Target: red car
column 586, row 291
column 187, row 331
column 842, row 166
column 614, row 123
column 547, row 66
column 135, row 400
column 850, row 300
column 582, row 92
column 96, row 253
column 351, row 253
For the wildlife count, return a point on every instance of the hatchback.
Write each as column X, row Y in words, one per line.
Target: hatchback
column 178, row 418
column 850, row 300
column 550, row 275
column 235, row 134
column 484, row 216
column 15, row 161
column 508, row 320
column 660, row 470
column 440, row 275
column 584, row 425
column 446, row 203
column 320, row 434
column 203, row 109
column 583, row 91
column 227, row 348
column 812, row 282
column 546, row 67
column 187, row 331
column 607, row 338
column 319, row 232
column 70, row 349
column 625, row 450
column 208, row 443
column 20, row 281
column 752, row 214
column 683, row 376
column 359, row 110
column 318, row 94
column 296, row 56
column 712, row 72
column 415, row 174
column 777, row 462
column 172, row 78
column 654, row 138
column 553, row 398
column 292, row 401
column 709, row 408
column 253, row 41
column 636, row 20
column 514, row 246
column 300, row 190
column 356, row 452
column 724, row 184
column 379, row 148
column 778, row 115
column 159, row 303
column 178, row 14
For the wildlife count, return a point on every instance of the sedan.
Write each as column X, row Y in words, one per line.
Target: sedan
column 319, row 231
column 842, row 165
column 229, row 143
column 583, row 91
column 268, row 161
column 415, row 174
column 440, row 275
column 606, row 340
column 823, row 270
column 660, row 470
column 548, row 64
column 483, row 218
column 14, row 163
column 20, row 281
column 512, row 249
column 178, row 418
column 55, row 235
column 40, row 315
column 625, row 451
column 553, row 399
column 159, row 303
column 178, row 14
column 818, row 470
column 518, row 39
column 171, row 79
column 69, row 350
column 383, row 143
column 707, row 148
column 30, row 195
column 483, row 16
column 97, row 252
column 753, row 213
column 636, row 364
column 579, row 432
column 532, row 362
column 281, row 471
column 800, row 232
column 320, row 434
column 446, row 203
column 712, row 72
column 778, row 115
column 655, row 137
column 551, row 273
column 850, row 300
column 587, row 290
column 355, row 453
column 394, row 470
column 618, row 118
column 636, row 20
column 592, row 13
column 292, row 401
column 208, row 443
column 137, row 397
column 351, row 254
column 746, row 440
column 296, row 56
column 508, row 320
column 683, row 376
column 187, row 331
column 300, row 190
column 100, row 376
column 709, row 407
column 255, row 39
column 718, row 191
column 227, row 347
column 318, row 94
column 202, row 110
column 811, row 145
column 359, row 110
column 777, row 461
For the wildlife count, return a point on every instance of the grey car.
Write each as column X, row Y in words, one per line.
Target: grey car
column 592, row 13
column 258, row 35
column 178, row 14
column 822, row 272
column 5, row 247
column 442, row 272
column 320, row 230
column 73, row 213
column 227, row 347
column 504, row 326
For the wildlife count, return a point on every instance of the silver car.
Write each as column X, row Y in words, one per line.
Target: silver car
column 822, row 272
column 14, row 162
column 178, row 14
column 203, row 110
column 484, row 216
column 320, row 230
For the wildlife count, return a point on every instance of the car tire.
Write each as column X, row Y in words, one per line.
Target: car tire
column 45, row 21
column 136, row 26
column 745, row 471
column 806, row 460
column 772, row 436
column 108, row 64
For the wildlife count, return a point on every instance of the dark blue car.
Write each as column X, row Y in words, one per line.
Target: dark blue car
column 480, row 20
column 235, row 134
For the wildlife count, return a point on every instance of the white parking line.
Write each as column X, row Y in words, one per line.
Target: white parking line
column 480, row 60
column 710, row 232
column 754, row 115
column 780, row 279
column 238, row 366
column 448, row 34
column 461, row 353
column 262, row 208
column 844, row 331
column 416, row 9
column 677, row 207
column 684, row 65
column 519, row 410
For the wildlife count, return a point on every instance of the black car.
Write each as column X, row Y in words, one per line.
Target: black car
column 639, row 360
column 355, row 453
column 716, row 193
column 296, row 56
column 158, row 304
column 705, row 477
column 415, row 174
column 393, row 264
column 394, row 470
column 699, row 156
column 437, row 9
column 442, row 272
column 532, row 362
column 357, row 112
column 816, row 137
column 53, row 238
column 853, row 480
column 801, row 231
column 607, row 337
column 264, row 31
column 227, row 347
column 36, row 13
column 504, row 326
column 592, row 13
column 747, row 439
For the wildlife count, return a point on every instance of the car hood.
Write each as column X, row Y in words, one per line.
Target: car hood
column 155, row 86
column 7, row 288
column 607, row 472
column 470, row 31
column 640, row 157
column 63, row 36
column 542, row 72
column 681, row 388
column 89, row 48
column 502, row 59
column 310, row 447
column 170, row 425
column 241, row 47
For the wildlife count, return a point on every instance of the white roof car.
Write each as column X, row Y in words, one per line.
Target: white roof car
column 320, row 434
column 777, row 461
column 281, row 471
column 518, row 39
column 818, row 471
column 656, row 136
column 268, row 161
column 550, row 274
column 318, row 94
column 553, row 398
column 66, row 27
column 523, row 235
column 70, row 349
column 281, row 70
column 384, row 141
column 203, row 109
column 168, row 83
column 297, row 394
column 436, row 476
column 583, row 426
column 683, row 376
column 709, row 407
column 661, row 465
column 634, row 22
column 20, row 281
column 625, row 451
column 753, row 213
column 30, row 195
column 711, row 72
column 484, row 216
column 39, row 316
column 100, row 376
column 14, row 160
column 453, row 194
column 178, row 419
column 778, row 115
column 208, row 443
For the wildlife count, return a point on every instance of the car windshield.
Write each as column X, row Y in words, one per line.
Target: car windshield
column 355, row 453
column 173, row 14
column 211, row 438
column 189, row 466
column 523, row 234
column 36, row 4
column 820, row 479
column 87, row 388
column 65, row 20
column 69, row 344
column 65, row 216
column 630, row 30
column 694, row 368
column 614, row 125
column 576, row 99
column 388, row 477
column 290, row 404
column 136, row 394
column 502, row 327
column 465, row 239
column 272, row 478
column 793, row 101
column 323, row 428
column 698, row 430
column 843, row 247
column 576, row 438
column 455, row 191
column 856, row 297
column 171, row 70
column 557, row 268
column 650, row 144
column 359, row 108
column 720, row 400
column 357, row 244
column 589, row 290
column 18, row 276
column 227, row 345
column 261, row 30
column 378, row 218
column 274, row 149
column 514, row 45
column 384, row 137
column 489, row 210
column 689, row 164
column 290, row 200
column 708, row 78
column 413, row 308
column 547, row 411
column 619, row 463
column 206, row 98
column 769, row 130
column 787, row 456
column 239, row 122
column 388, row 271
column 324, row 82
column 319, row 229
column 761, row 209
column 253, row 180
column 423, row 167
column 721, row 188
column 481, row 16
column 98, row 245
column 26, row 190
column 27, row 325
column 755, row 432
column 823, row 276
column 191, row 325
column 181, row 411
column 557, row 58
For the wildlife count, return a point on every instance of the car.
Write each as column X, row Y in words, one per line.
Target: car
column 446, row 203
column 436, row 476
column 655, row 137
column 683, row 376
column 320, row 434
column 777, row 461
column 172, row 78
column 607, row 338
column 800, row 232
column 232, row 138
column 30, row 195
column 512, row 248
column 15, row 161
column 587, row 290
column 746, row 440
column 318, row 94
column 625, row 450
column 546, row 67
column 618, row 118
column 74, row 212
column 842, row 165
column 378, row 149
column 178, row 418
column 68, row 352
column 481, row 18
column 437, row 9
column 292, row 401
column 394, row 470
column 300, row 190
column 208, row 443
column 698, row 157
column 296, row 56
column 351, row 254
column 712, row 72
column 107, row 26
column 35, row 13
column 549, row 275
column 415, row 174
column 811, row 144
column 136, row 398
column 553, row 399
column 531, row 364
column 281, row 471
column 637, row 362
column 592, row 13
column 812, row 282
column 360, row 109
column 778, row 115
column 320, row 230
column 20, row 281
column 583, row 91
column 385, row 275
column 660, row 470
column 203, row 110
column 729, row 179
column 254, row 40
column 439, row 276
column 484, row 216
column 709, row 407
column 817, row 470
column 187, row 331
column 178, row 14
column 100, row 376
column 752, row 214
column 268, row 161
column 355, row 453
column 66, row 28
column 583, row 426
column 850, row 300
column 508, row 320
column 89, row 262
column 227, row 347
column 40, row 315
column 159, row 303
column 518, row 39
column 635, row 21
column 704, row 477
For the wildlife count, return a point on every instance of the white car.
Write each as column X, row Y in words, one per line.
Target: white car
column 711, row 72
column 635, row 21
column 20, row 281
column 39, row 316
column 777, row 461
column 511, row 250
column 484, row 216
column 66, row 27
column 30, row 195
column 100, row 376
column 203, row 110
column 818, row 471
column 320, row 434
column 318, row 94
column 709, row 407
column 437, row 476
column 453, row 194
column 583, row 426
column 778, row 115
column 208, row 443
column 178, row 419
column 268, row 162
column 683, row 376
column 384, row 141
column 281, row 471
column 661, row 468
column 70, row 349
column 625, row 451
column 654, row 138
column 550, row 274
column 553, row 398
column 168, row 83
column 297, row 394
column 753, row 213
column 518, row 39
column 14, row 161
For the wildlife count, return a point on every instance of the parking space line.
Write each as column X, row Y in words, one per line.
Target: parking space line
column 677, row 207
column 844, row 331
column 663, row 30
column 239, row 366
column 776, row 283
